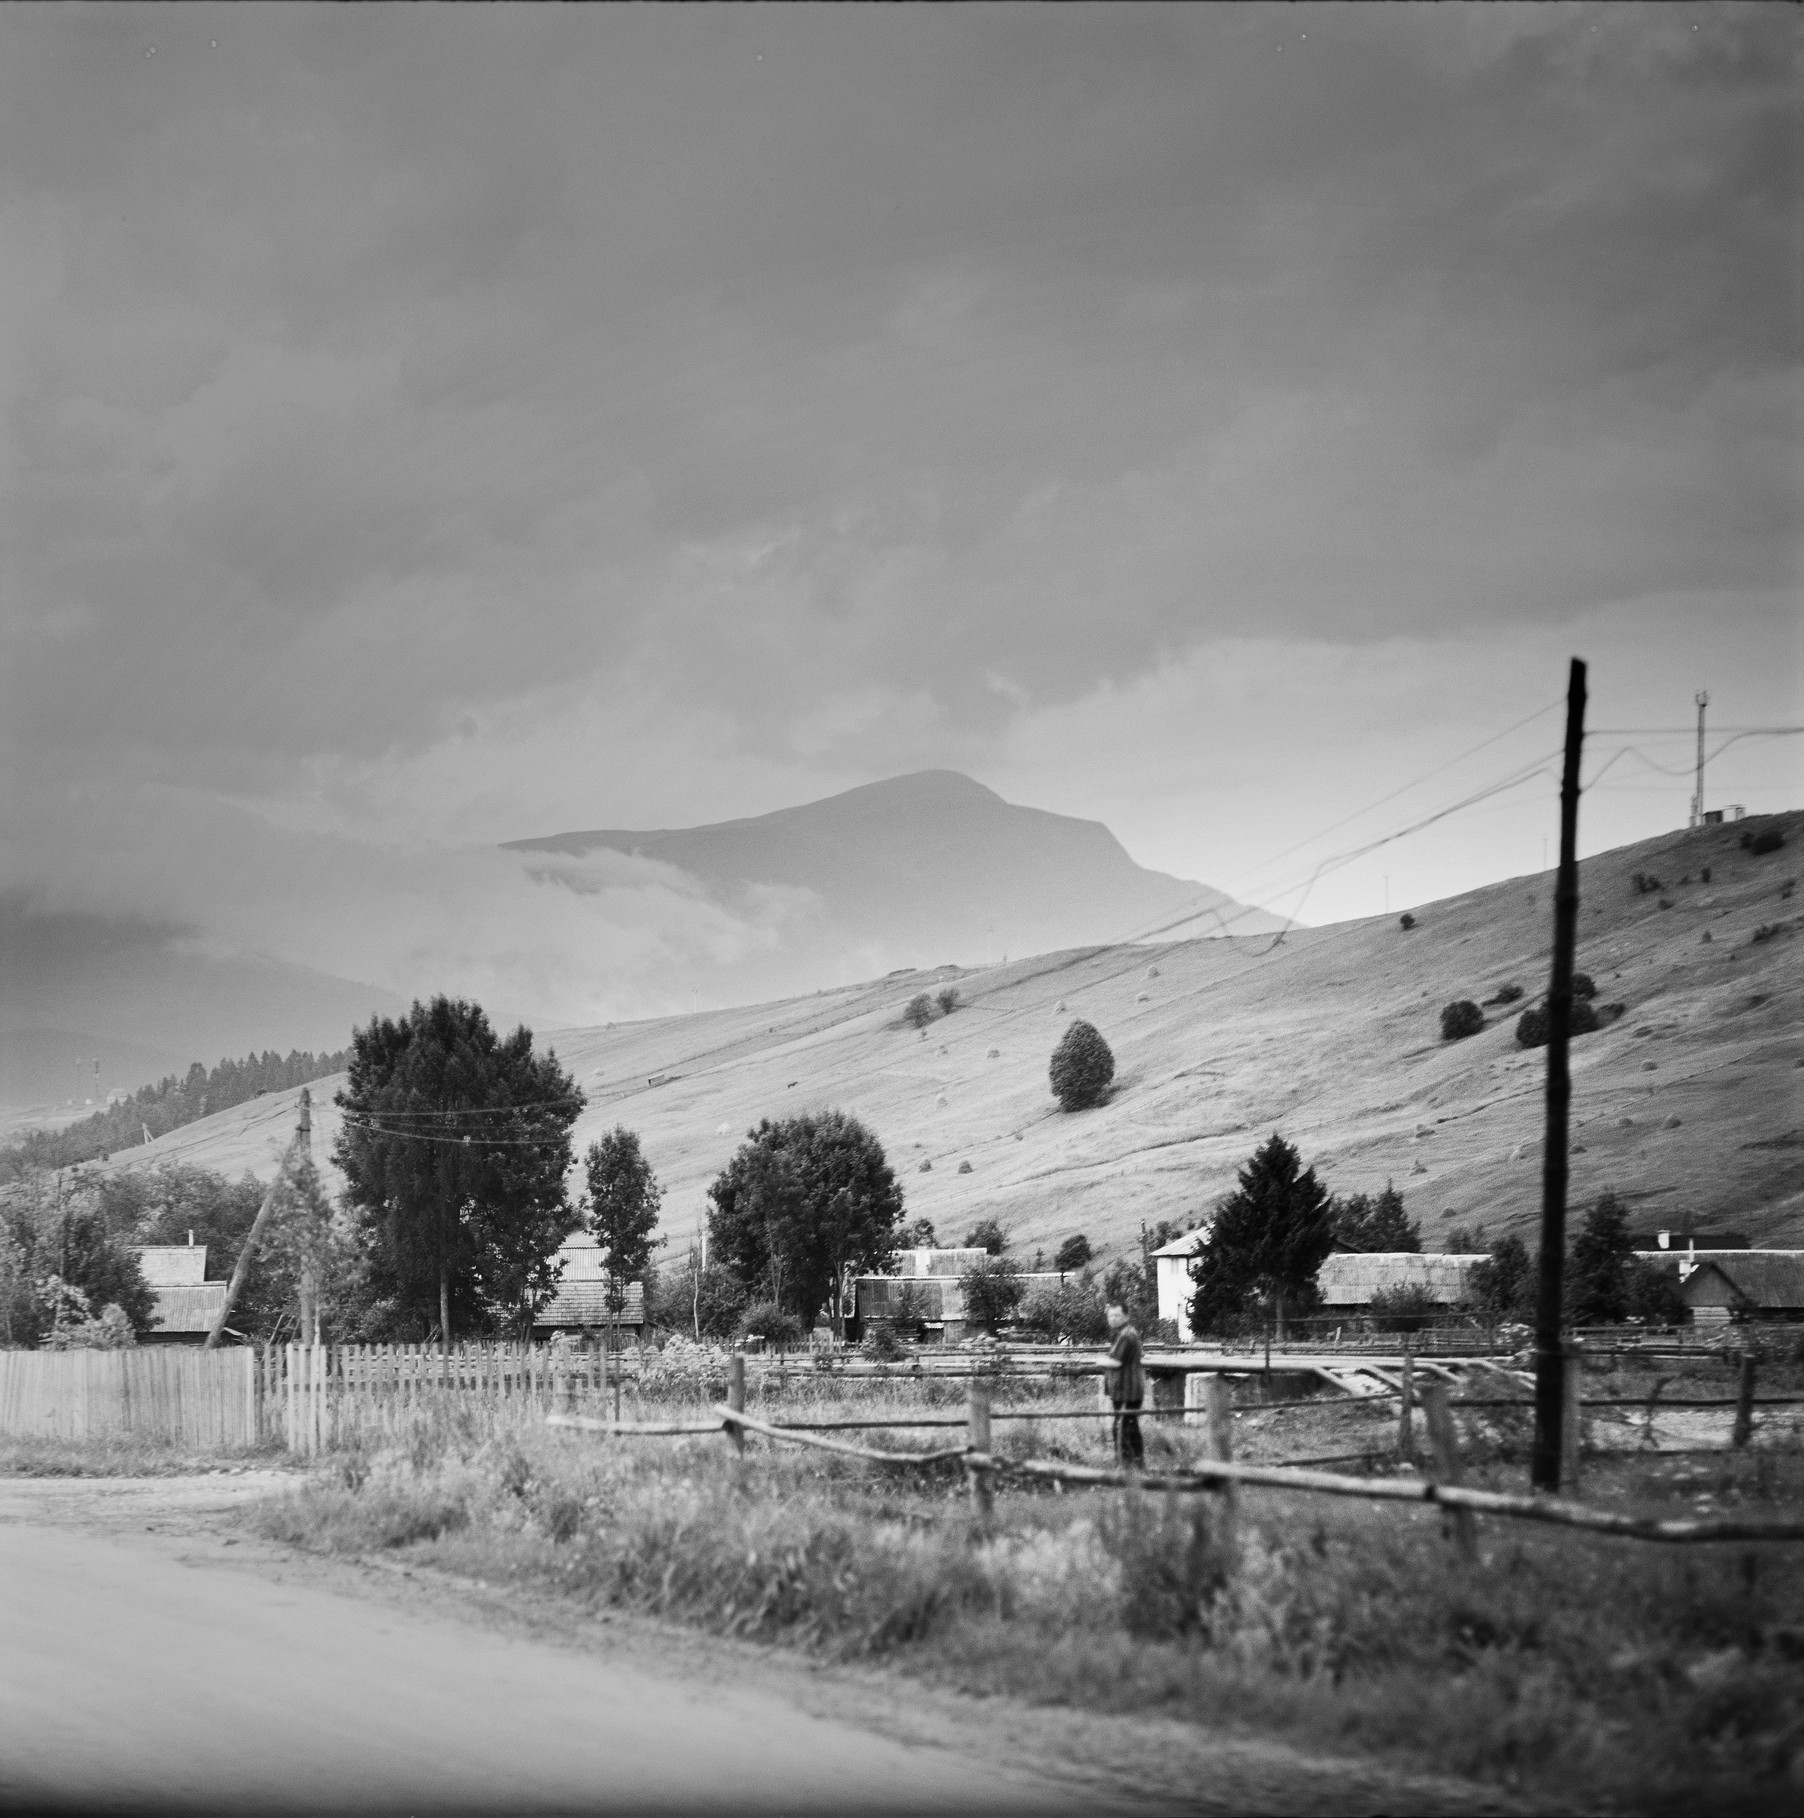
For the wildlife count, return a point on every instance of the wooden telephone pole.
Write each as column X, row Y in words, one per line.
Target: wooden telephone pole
column 1550, row 1357
column 299, row 1144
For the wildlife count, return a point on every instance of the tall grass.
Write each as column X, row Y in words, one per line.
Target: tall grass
column 1566, row 1665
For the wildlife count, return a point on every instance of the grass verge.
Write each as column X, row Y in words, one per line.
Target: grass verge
column 124, row 1455
column 1580, row 1669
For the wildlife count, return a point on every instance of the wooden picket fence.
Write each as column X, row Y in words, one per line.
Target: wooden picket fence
column 317, row 1396
column 205, row 1399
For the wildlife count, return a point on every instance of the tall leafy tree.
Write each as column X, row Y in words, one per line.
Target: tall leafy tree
column 1269, row 1238
column 624, row 1197
column 454, row 1148
column 801, row 1201
column 1376, row 1222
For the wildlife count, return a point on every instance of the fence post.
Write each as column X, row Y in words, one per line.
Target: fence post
column 1219, row 1400
column 1406, row 1438
column 1444, row 1444
column 1572, row 1426
column 1744, row 1404
column 736, row 1397
column 977, row 1436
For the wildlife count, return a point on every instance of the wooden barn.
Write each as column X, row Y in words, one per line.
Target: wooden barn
column 1747, row 1284
column 581, row 1302
column 187, row 1303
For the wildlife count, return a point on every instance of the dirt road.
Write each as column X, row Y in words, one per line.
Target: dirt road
column 155, row 1657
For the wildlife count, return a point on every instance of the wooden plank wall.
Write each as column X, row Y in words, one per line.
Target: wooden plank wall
column 173, row 1392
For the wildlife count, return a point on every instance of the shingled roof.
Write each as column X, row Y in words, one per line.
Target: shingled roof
column 582, row 1291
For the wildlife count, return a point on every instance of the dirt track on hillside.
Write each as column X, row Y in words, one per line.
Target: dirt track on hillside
column 158, row 1657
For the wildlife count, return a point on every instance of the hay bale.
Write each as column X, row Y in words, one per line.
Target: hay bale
column 994, row 1054
column 964, row 1167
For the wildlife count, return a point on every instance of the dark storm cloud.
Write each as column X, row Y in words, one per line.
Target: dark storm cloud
column 369, row 365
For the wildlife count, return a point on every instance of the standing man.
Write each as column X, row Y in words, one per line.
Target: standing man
column 1127, row 1388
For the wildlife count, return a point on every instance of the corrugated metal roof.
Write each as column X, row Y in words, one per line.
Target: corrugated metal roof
column 173, row 1265
column 188, row 1309
column 1350, row 1278
column 924, row 1265
column 1188, row 1244
column 1770, row 1279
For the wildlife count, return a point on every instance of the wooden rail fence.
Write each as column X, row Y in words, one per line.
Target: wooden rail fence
column 1219, row 1474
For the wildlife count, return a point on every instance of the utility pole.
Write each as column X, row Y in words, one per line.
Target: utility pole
column 1697, row 801
column 1550, row 1358
column 303, row 1152
column 302, row 1138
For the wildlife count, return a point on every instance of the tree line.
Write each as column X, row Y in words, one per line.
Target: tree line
column 175, row 1100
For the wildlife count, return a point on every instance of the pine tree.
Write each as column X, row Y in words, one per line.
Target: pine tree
column 1598, row 1278
column 1270, row 1237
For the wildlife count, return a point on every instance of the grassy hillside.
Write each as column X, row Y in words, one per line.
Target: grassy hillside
column 1690, row 1107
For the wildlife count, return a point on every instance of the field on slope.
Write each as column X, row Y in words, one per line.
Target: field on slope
column 1689, row 1107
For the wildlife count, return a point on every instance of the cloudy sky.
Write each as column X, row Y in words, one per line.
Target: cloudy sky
column 421, row 428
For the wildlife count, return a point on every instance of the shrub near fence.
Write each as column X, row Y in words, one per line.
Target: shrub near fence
column 166, row 1392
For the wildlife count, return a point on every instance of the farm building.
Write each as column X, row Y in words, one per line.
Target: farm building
column 581, row 1301
column 934, row 1281
column 1350, row 1279
column 187, row 1303
column 1747, row 1284
column 1171, row 1273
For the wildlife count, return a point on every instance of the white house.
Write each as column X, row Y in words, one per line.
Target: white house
column 1171, row 1273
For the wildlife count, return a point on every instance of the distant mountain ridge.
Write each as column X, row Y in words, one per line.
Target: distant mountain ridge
column 934, row 867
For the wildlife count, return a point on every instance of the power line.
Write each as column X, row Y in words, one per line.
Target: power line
column 1403, row 789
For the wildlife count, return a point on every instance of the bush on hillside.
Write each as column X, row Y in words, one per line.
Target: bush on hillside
column 1646, row 883
column 1505, row 994
column 1460, row 1019
column 1531, row 1026
column 1582, row 985
column 919, row 1012
column 1082, row 1068
column 987, row 1235
column 1769, row 841
column 947, row 999
column 1406, row 921
column 1072, row 1254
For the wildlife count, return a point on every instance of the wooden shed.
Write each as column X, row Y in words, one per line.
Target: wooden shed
column 1750, row 1284
column 187, row 1303
column 581, row 1301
